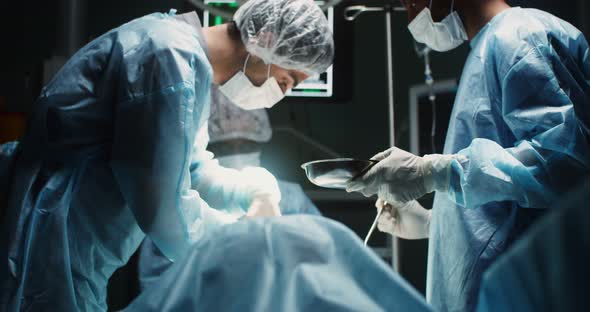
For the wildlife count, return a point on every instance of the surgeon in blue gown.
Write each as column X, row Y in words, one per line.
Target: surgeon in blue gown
column 235, row 138
column 517, row 141
column 116, row 147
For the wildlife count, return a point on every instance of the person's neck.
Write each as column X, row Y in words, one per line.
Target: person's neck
column 225, row 55
column 477, row 16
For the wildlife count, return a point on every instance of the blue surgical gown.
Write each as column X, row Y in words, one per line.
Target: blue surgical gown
column 8, row 153
column 548, row 269
column 514, row 121
column 110, row 156
column 152, row 263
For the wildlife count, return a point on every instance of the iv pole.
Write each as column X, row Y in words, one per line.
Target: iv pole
column 350, row 14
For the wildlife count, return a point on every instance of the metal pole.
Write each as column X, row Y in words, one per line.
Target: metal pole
column 390, row 94
column 390, row 77
column 350, row 14
column 71, row 28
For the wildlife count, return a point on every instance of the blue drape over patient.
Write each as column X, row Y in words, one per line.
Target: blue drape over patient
column 293, row 263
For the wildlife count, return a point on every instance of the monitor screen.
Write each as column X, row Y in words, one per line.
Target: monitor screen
column 315, row 86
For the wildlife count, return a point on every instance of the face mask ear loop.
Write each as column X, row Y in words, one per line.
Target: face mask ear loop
column 430, row 6
column 246, row 63
column 268, row 72
column 452, row 5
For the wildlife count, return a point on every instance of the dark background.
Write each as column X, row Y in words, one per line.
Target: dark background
column 353, row 123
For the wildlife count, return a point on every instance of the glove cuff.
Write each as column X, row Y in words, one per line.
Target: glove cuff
column 438, row 171
column 427, row 224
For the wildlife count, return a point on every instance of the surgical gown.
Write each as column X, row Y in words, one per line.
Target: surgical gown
column 8, row 152
column 514, row 120
column 111, row 153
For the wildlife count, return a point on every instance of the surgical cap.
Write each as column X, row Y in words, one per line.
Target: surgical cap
column 229, row 122
column 293, row 34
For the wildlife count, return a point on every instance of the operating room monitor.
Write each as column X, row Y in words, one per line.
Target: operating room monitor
column 315, row 86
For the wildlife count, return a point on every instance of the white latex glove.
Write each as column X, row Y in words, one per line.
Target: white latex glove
column 409, row 220
column 264, row 191
column 400, row 176
column 259, row 182
column 263, row 206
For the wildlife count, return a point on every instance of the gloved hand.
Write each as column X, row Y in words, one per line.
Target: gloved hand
column 258, row 181
column 409, row 220
column 400, row 176
column 263, row 206
column 264, row 190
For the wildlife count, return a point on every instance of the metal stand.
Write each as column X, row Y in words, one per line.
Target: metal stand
column 350, row 14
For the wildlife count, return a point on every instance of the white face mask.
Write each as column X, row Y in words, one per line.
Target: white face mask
column 240, row 90
column 442, row 36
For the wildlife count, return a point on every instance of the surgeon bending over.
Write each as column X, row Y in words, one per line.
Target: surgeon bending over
column 116, row 147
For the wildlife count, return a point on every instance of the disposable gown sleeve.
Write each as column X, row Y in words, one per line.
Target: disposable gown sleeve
column 549, row 153
column 219, row 186
column 225, row 187
column 153, row 136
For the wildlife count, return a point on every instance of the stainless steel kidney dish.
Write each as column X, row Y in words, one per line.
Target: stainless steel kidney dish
column 335, row 173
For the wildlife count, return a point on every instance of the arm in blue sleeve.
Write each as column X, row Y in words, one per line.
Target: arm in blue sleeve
column 549, row 151
column 227, row 187
column 219, row 186
column 150, row 159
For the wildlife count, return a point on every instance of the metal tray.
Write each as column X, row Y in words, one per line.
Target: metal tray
column 336, row 173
